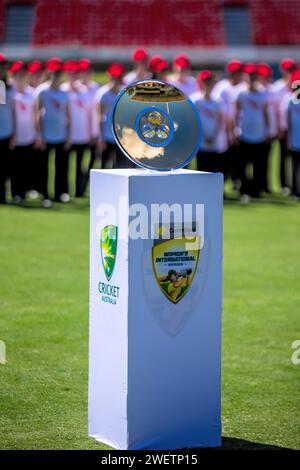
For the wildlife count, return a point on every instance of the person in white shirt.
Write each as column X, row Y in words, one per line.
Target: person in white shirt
column 71, row 75
column 37, row 73
column 158, row 66
column 214, row 138
column 265, row 77
column 86, row 71
column 80, row 131
column 286, row 67
column 80, row 113
column 54, row 127
column 140, row 70
column 227, row 90
column 86, row 77
column 25, row 132
column 252, row 125
column 290, row 119
column 182, row 77
column 281, row 88
column 105, row 99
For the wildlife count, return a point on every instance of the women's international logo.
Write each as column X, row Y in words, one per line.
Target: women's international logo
column 175, row 260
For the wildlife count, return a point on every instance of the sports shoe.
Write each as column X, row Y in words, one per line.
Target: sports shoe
column 46, row 203
column 17, row 200
column 33, row 194
column 64, row 197
column 245, row 199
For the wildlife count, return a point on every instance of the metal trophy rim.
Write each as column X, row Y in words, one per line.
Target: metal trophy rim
column 144, row 166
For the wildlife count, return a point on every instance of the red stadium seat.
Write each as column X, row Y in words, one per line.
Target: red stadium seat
column 276, row 23
column 130, row 22
column 156, row 22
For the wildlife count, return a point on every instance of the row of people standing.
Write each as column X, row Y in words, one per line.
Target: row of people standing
column 242, row 114
column 60, row 107
column 259, row 111
column 238, row 125
column 41, row 116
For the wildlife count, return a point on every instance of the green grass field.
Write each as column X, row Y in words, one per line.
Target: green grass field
column 44, row 323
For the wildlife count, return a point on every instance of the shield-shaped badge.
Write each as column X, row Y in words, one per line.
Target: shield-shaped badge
column 108, row 247
column 175, row 261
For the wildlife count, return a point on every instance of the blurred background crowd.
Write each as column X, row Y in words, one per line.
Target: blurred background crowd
column 58, row 106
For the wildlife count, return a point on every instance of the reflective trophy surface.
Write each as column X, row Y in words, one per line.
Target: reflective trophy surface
column 156, row 125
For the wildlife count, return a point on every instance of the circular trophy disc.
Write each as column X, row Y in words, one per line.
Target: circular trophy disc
column 156, row 125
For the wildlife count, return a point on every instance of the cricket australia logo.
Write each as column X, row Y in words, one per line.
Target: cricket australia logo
column 175, row 260
column 108, row 247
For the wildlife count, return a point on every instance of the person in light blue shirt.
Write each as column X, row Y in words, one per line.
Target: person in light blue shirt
column 6, row 128
column 54, row 115
column 214, row 135
column 6, row 114
column 252, row 127
column 293, row 134
column 54, row 132
column 104, row 100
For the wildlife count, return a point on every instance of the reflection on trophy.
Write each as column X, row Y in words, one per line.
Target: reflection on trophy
column 156, row 126
column 154, row 91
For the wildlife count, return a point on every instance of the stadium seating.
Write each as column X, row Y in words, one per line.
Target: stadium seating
column 156, row 22
column 276, row 22
column 128, row 22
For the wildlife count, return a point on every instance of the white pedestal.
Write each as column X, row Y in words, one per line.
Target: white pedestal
column 155, row 361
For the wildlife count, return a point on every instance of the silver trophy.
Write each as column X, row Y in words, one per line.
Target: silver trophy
column 156, row 126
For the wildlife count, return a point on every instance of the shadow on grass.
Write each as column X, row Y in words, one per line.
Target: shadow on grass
column 232, row 443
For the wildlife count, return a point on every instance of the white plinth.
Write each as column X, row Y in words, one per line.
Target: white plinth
column 154, row 362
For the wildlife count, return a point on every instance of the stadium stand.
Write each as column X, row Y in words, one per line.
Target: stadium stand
column 206, row 29
column 275, row 22
column 154, row 22
column 128, row 23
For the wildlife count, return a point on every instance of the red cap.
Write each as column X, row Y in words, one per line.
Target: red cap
column 158, row 64
column 264, row 70
column 250, row 69
column 54, row 65
column 287, row 64
column 295, row 75
column 2, row 58
column 115, row 70
column 161, row 66
column 205, row 75
column 84, row 64
column 17, row 66
column 71, row 66
column 234, row 66
column 139, row 55
column 154, row 60
column 35, row 66
column 182, row 62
